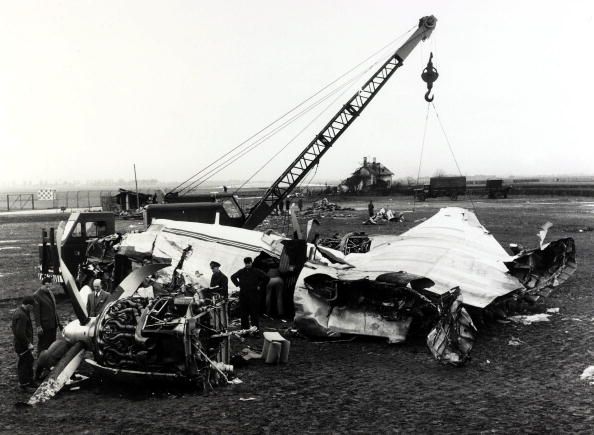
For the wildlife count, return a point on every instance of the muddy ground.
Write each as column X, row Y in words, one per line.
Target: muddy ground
column 363, row 385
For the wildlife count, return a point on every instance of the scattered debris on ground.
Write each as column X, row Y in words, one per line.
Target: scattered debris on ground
column 383, row 216
column 588, row 375
column 514, row 341
column 325, row 208
column 530, row 319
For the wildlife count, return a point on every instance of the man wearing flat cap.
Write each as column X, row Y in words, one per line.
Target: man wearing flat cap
column 22, row 329
column 219, row 281
column 46, row 317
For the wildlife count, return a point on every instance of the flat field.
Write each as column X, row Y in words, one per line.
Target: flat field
column 363, row 385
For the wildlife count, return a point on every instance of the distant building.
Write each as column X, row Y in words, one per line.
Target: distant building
column 126, row 200
column 370, row 176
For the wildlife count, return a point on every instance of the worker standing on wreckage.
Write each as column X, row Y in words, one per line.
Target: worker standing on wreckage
column 219, row 280
column 250, row 281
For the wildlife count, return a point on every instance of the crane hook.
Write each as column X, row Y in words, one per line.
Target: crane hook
column 429, row 75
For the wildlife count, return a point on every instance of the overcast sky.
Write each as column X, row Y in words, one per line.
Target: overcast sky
column 87, row 88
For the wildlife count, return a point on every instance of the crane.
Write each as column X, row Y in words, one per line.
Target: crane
column 322, row 142
column 206, row 208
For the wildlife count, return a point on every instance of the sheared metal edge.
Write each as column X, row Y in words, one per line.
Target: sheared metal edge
column 452, row 338
column 539, row 279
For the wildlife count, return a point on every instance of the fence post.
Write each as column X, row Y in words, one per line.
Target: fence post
column 7, row 202
column 32, row 201
column 89, row 198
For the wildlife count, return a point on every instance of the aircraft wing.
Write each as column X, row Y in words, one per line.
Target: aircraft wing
column 451, row 248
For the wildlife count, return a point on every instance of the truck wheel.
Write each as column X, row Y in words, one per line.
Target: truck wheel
column 454, row 196
column 421, row 197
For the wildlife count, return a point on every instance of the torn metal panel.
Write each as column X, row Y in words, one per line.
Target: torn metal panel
column 387, row 306
column 451, row 248
column 541, row 270
column 312, row 313
column 367, row 322
column 166, row 239
column 452, row 338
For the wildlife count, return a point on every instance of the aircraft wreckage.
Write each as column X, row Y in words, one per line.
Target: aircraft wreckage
column 421, row 279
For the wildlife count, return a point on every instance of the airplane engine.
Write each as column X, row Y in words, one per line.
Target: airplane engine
column 167, row 337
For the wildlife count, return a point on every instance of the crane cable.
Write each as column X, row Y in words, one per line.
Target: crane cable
column 430, row 75
column 432, row 104
column 251, row 147
column 305, row 127
column 421, row 156
column 452, row 152
column 292, row 110
column 254, row 145
column 223, row 164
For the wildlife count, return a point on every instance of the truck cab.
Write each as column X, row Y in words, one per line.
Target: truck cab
column 79, row 230
column 496, row 189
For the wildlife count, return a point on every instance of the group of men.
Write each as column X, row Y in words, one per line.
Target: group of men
column 42, row 305
column 251, row 282
column 41, row 308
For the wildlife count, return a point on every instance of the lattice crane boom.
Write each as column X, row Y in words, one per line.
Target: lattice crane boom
column 322, row 142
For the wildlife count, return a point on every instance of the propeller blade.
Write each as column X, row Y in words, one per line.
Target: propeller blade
column 71, row 288
column 59, row 375
column 129, row 285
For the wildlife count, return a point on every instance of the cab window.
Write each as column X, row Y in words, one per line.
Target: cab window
column 77, row 230
column 95, row 229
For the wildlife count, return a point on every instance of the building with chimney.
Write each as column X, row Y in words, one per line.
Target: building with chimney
column 370, row 176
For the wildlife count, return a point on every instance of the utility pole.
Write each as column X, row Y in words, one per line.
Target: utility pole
column 136, row 182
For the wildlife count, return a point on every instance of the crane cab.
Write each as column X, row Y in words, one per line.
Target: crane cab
column 197, row 208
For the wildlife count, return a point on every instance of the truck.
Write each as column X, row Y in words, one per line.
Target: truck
column 181, row 204
column 496, row 189
column 442, row 186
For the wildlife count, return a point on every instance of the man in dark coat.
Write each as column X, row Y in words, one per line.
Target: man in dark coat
column 219, row 281
column 97, row 299
column 46, row 317
column 251, row 282
column 22, row 329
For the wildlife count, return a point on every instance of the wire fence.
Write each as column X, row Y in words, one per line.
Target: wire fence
column 59, row 200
